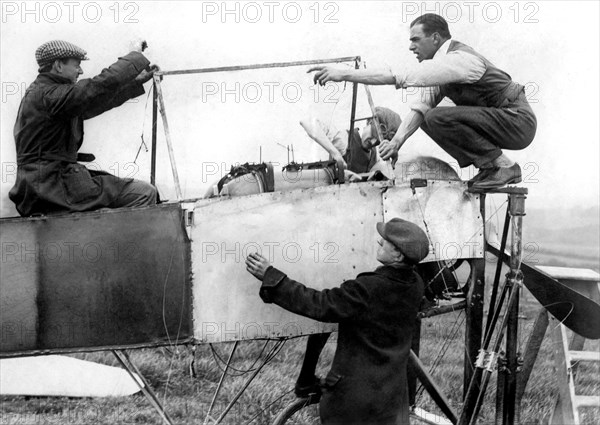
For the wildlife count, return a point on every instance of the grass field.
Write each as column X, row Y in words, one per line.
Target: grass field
column 187, row 398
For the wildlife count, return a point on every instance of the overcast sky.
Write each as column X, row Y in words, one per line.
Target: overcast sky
column 222, row 119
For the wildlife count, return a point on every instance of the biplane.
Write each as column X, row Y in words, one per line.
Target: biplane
column 174, row 273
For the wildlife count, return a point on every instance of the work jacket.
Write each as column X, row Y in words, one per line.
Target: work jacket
column 376, row 313
column 49, row 132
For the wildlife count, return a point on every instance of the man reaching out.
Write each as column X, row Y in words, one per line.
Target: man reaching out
column 491, row 112
column 49, row 132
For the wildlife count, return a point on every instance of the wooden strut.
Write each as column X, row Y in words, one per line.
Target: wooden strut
column 516, row 206
column 388, row 163
column 474, row 317
column 474, row 307
column 353, row 109
column 530, row 354
column 476, row 391
column 486, row 363
column 436, row 311
column 14, row 354
column 158, row 98
column 132, row 369
column 163, row 114
column 154, row 127
column 498, row 271
column 260, row 66
column 433, row 390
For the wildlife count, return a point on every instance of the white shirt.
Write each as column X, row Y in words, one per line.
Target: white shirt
column 338, row 138
column 444, row 68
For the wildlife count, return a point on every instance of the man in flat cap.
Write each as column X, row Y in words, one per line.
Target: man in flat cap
column 492, row 113
column 49, row 132
column 376, row 313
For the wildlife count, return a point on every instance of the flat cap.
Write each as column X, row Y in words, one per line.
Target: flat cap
column 58, row 49
column 389, row 121
column 409, row 238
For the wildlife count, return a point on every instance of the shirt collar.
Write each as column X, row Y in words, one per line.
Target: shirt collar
column 443, row 49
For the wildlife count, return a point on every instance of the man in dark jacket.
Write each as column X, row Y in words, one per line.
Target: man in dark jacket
column 49, row 132
column 376, row 313
column 491, row 113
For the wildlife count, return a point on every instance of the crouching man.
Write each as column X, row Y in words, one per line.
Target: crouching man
column 49, row 132
column 376, row 313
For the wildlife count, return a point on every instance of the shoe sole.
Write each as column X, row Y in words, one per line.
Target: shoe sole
column 514, row 180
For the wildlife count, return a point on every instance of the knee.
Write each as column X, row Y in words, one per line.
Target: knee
column 151, row 194
column 147, row 194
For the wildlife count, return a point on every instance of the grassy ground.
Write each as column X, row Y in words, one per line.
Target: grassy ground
column 187, row 398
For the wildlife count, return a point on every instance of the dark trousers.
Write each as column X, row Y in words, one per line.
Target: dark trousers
column 476, row 135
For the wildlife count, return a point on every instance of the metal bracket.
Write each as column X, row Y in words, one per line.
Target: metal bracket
column 187, row 209
column 503, row 363
column 414, row 183
column 520, row 362
column 517, row 204
column 487, row 360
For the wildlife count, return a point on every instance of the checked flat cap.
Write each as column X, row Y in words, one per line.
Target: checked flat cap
column 407, row 237
column 58, row 49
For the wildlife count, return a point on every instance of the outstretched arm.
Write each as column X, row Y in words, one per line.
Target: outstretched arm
column 329, row 305
column 374, row 77
column 89, row 97
column 127, row 91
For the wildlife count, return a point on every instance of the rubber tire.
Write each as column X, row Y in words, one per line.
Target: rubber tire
column 291, row 409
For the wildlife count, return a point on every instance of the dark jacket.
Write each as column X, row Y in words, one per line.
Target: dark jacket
column 358, row 159
column 49, row 132
column 376, row 313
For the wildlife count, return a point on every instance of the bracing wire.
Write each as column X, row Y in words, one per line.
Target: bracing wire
column 271, row 354
column 567, row 315
column 456, row 326
column 448, row 262
column 432, row 246
column 261, row 411
column 219, row 361
column 443, row 350
column 164, row 298
column 172, row 344
column 165, row 323
column 335, row 105
column 143, row 143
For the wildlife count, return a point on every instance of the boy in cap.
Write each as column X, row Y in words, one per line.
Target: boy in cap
column 49, row 132
column 357, row 155
column 376, row 313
